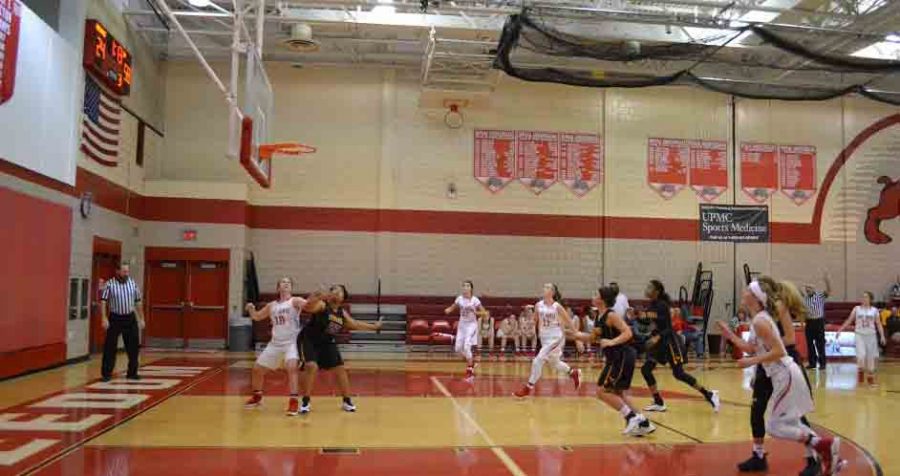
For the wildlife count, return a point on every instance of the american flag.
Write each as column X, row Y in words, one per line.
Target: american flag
column 101, row 120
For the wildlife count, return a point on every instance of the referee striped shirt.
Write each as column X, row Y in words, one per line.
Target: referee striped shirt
column 815, row 304
column 121, row 296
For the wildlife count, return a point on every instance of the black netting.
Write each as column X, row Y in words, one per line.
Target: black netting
column 674, row 61
column 769, row 35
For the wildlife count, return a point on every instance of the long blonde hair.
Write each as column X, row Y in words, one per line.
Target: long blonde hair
column 792, row 299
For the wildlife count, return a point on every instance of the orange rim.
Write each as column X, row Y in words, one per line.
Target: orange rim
column 266, row 151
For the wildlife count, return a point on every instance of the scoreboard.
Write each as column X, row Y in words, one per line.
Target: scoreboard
column 106, row 58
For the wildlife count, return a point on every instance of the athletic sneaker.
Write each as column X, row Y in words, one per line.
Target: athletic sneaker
column 813, row 468
column 470, row 374
column 254, row 401
column 348, row 407
column 293, row 407
column 655, row 408
column 632, row 424
column 522, row 392
column 575, row 375
column 644, row 428
column 715, row 401
column 305, row 408
column 755, row 464
column 828, row 449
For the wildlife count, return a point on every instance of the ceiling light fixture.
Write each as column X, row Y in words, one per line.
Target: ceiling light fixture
column 200, row 3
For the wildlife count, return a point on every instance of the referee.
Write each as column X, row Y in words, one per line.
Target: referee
column 121, row 311
column 815, row 323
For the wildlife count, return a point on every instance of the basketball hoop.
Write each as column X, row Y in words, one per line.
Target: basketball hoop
column 267, row 151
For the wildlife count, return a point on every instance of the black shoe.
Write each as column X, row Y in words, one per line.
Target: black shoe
column 133, row 377
column 811, row 367
column 822, row 367
column 106, row 378
column 813, row 468
column 754, row 464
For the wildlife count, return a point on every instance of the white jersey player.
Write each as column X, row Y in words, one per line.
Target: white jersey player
column 553, row 322
column 868, row 329
column 285, row 316
column 791, row 398
column 469, row 307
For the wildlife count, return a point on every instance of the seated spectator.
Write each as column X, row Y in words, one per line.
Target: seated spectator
column 509, row 329
column 486, row 331
column 528, row 330
column 688, row 332
column 590, row 317
column 895, row 290
column 741, row 318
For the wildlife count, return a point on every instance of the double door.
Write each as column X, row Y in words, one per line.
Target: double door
column 187, row 303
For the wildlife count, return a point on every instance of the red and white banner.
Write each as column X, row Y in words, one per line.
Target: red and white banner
column 495, row 155
column 759, row 170
column 709, row 168
column 10, row 19
column 667, row 160
column 797, row 172
column 537, row 159
column 580, row 161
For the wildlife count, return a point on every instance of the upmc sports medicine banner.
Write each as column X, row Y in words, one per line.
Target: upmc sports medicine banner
column 734, row 223
column 10, row 18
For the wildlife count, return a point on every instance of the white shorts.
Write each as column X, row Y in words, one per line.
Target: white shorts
column 790, row 395
column 501, row 334
column 866, row 351
column 466, row 336
column 552, row 346
column 276, row 352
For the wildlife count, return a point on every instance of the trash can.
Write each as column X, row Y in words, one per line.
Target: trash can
column 240, row 334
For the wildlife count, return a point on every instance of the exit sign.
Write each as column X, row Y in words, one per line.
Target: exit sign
column 189, row 235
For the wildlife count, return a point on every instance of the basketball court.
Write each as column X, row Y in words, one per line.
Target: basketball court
column 164, row 163
column 421, row 417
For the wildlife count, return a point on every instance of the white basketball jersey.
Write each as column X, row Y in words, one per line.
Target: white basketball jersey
column 865, row 320
column 760, row 346
column 548, row 318
column 467, row 308
column 285, row 322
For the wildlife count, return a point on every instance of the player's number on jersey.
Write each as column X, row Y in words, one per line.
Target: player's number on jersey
column 279, row 320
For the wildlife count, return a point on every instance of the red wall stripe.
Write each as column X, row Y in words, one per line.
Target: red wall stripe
column 191, row 210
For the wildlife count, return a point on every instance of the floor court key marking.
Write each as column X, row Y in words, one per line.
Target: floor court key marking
column 498, row 451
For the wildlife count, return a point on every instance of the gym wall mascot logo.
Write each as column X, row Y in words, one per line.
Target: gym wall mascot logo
column 888, row 208
column 10, row 17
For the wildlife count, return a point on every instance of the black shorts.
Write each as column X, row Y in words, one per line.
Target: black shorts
column 669, row 350
column 324, row 353
column 619, row 368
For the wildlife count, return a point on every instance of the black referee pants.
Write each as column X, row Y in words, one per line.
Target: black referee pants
column 126, row 326
column 815, row 342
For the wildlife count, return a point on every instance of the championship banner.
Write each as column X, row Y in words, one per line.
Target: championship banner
column 495, row 153
column 10, row 19
column 759, row 170
column 734, row 223
column 797, row 172
column 709, row 168
column 580, row 161
column 537, row 159
column 666, row 165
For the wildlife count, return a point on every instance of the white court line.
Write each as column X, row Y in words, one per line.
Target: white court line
column 498, row 451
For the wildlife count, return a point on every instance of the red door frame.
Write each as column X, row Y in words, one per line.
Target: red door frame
column 166, row 253
column 101, row 245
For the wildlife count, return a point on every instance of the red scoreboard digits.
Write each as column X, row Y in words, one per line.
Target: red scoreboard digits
column 106, row 58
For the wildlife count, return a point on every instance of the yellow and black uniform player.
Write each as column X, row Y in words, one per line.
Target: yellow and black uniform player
column 615, row 337
column 664, row 347
column 318, row 346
